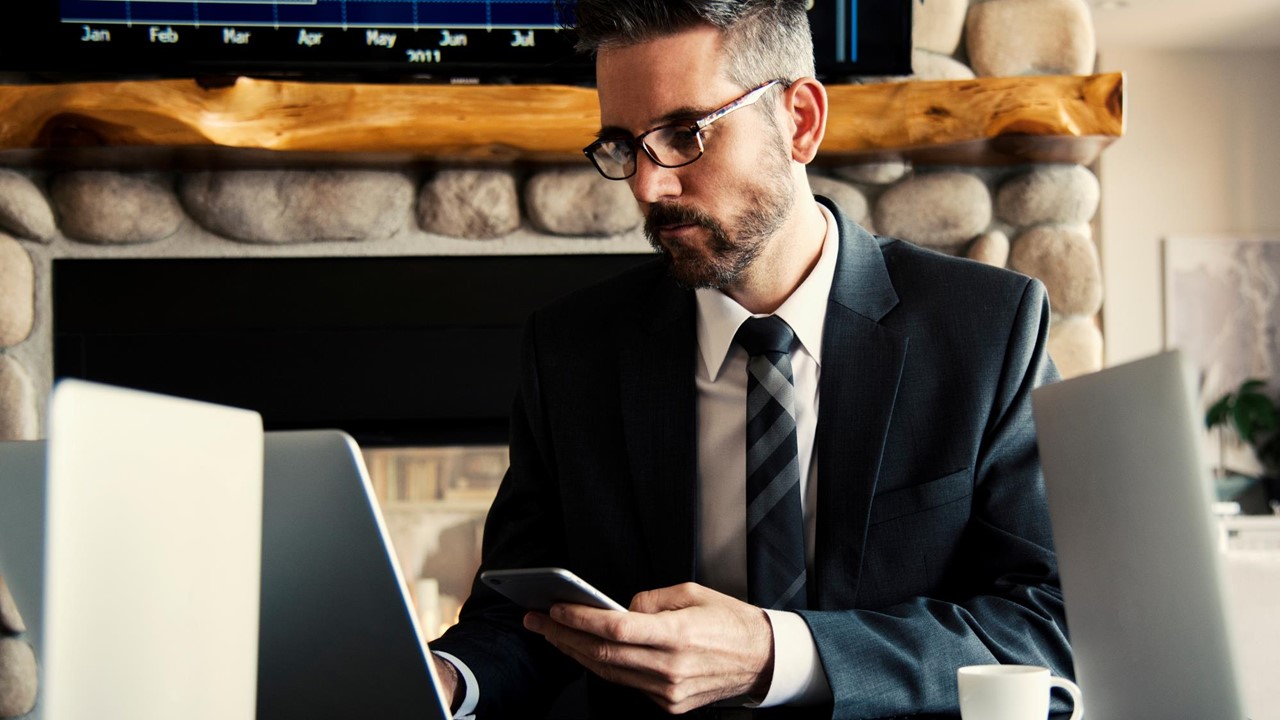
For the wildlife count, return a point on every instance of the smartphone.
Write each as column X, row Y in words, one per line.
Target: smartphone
column 540, row 588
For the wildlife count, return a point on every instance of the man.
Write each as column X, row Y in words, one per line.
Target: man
column 921, row 537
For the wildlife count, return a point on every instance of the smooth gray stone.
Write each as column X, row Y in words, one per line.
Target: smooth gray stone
column 473, row 204
column 24, row 210
column 18, row 678
column 17, row 292
column 927, row 65
column 1075, row 344
column 111, row 208
column 18, row 417
column 874, row 173
column 936, row 25
column 578, row 201
column 942, row 209
column 991, row 248
column 1051, row 194
column 299, row 206
column 1030, row 37
column 849, row 198
column 1066, row 261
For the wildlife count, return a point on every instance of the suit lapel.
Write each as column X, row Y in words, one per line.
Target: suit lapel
column 659, row 419
column 862, row 364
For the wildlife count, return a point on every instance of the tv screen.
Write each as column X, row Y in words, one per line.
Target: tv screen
column 372, row 40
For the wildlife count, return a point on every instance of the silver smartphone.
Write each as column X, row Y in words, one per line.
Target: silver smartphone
column 540, row 588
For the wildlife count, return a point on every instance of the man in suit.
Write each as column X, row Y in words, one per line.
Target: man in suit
column 915, row 501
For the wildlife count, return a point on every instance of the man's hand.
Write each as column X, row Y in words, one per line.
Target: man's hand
column 448, row 675
column 685, row 646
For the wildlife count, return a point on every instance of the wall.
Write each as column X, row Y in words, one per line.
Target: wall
column 1200, row 156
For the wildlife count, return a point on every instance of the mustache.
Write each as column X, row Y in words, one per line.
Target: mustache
column 672, row 214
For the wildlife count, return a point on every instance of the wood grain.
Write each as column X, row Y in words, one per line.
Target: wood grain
column 912, row 115
column 984, row 120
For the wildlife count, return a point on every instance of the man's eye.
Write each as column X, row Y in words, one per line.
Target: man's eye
column 684, row 140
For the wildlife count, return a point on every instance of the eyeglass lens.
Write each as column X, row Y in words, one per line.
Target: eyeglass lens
column 670, row 146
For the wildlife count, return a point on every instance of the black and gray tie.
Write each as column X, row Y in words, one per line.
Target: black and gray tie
column 775, row 524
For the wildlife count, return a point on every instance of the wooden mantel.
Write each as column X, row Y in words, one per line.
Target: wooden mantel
column 987, row 120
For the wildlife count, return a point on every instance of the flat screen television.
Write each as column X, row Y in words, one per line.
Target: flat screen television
column 493, row 41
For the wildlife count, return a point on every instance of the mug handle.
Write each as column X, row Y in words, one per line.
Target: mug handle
column 1077, row 704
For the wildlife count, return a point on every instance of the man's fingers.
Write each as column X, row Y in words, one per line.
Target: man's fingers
column 674, row 697
column 631, row 628
column 675, row 597
column 673, row 679
column 586, row 646
column 684, row 646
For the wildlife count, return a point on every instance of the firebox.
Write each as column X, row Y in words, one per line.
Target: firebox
column 416, row 357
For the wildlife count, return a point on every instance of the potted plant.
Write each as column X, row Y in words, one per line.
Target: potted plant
column 1251, row 414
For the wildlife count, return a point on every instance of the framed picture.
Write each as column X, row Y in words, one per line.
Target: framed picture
column 1222, row 309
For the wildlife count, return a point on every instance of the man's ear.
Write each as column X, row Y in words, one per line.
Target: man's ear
column 806, row 102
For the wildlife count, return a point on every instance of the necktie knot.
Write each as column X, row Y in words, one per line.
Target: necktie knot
column 760, row 335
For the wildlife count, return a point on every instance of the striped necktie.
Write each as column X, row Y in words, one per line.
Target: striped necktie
column 775, row 524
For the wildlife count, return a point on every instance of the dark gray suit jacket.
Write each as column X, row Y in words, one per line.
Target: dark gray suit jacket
column 933, row 547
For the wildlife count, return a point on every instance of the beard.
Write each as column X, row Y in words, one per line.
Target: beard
column 730, row 248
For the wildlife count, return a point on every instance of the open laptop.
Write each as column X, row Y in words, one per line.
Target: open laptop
column 339, row 638
column 22, row 536
column 151, row 562
column 336, row 636
column 1129, row 498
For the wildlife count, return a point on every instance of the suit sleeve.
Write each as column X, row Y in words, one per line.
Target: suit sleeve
column 514, row 667
column 1002, row 603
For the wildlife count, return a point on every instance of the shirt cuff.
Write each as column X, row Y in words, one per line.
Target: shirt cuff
column 466, row 711
column 798, row 676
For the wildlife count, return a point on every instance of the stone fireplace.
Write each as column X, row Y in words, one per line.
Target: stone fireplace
column 925, row 160
column 1032, row 218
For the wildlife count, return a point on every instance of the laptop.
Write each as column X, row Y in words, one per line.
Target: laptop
column 1129, row 499
column 339, row 637
column 151, row 566
column 327, row 629
column 22, row 536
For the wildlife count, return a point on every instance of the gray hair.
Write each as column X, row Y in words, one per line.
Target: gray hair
column 764, row 39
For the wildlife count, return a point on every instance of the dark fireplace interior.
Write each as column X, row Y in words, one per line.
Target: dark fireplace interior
column 397, row 351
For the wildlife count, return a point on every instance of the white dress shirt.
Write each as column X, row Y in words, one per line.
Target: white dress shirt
column 721, row 378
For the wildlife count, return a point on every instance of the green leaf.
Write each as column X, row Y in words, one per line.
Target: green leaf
column 1253, row 413
column 1252, row 385
column 1217, row 413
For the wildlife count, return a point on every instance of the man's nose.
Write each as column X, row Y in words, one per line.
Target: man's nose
column 652, row 182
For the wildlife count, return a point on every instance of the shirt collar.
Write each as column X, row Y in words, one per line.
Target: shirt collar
column 719, row 316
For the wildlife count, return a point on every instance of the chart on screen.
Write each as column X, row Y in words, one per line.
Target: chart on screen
column 342, row 14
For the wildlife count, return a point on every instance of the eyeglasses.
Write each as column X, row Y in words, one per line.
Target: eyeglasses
column 670, row 146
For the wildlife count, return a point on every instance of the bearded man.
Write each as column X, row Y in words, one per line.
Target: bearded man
column 804, row 454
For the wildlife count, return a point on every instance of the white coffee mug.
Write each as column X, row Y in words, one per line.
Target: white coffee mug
column 1011, row 692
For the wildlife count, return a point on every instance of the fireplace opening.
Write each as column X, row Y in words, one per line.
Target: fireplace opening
column 416, row 357
column 397, row 351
